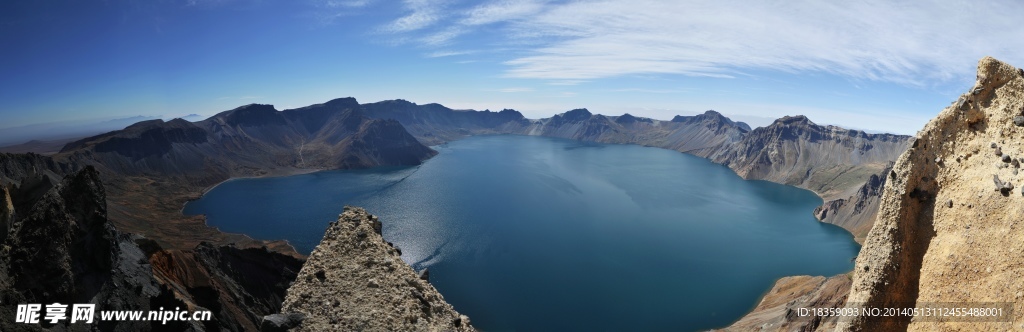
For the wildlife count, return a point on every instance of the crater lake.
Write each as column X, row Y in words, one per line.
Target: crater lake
column 525, row 233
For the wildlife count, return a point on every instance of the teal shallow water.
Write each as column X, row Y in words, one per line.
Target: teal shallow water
column 533, row 234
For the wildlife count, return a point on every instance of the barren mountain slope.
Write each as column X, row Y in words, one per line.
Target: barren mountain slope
column 947, row 231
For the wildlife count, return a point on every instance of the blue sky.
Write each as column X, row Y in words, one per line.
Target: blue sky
column 877, row 65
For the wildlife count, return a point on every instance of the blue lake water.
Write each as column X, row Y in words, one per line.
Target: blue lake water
column 540, row 234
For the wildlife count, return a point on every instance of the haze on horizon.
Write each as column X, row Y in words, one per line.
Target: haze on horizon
column 873, row 65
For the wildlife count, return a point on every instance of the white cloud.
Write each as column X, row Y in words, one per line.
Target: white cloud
column 514, row 90
column 911, row 43
column 441, row 54
column 503, row 10
column 917, row 43
column 344, row 3
column 424, row 13
column 415, row 21
column 442, row 37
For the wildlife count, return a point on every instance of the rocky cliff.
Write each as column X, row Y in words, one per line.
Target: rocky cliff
column 356, row 281
column 948, row 225
column 858, row 211
column 59, row 246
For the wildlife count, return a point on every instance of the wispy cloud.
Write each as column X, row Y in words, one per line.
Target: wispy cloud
column 424, row 13
column 502, row 11
column 441, row 54
column 908, row 43
column 917, row 43
column 240, row 98
column 514, row 90
column 442, row 37
column 566, row 82
column 346, row 3
column 327, row 12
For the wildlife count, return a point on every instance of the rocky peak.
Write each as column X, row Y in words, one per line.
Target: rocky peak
column 143, row 125
column 579, row 114
column 347, row 102
column 794, row 120
column 511, row 114
column 251, row 115
column 628, row 119
column 713, row 120
column 354, row 259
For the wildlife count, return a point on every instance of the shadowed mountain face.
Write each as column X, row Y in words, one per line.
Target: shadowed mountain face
column 254, row 140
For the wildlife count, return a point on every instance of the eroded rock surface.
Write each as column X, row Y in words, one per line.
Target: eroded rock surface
column 355, row 281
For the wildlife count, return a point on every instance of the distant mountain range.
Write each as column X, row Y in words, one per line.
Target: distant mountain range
column 151, row 168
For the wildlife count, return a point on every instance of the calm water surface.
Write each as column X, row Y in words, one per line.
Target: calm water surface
column 539, row 234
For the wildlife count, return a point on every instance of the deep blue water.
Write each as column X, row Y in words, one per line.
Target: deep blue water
column 532, row 234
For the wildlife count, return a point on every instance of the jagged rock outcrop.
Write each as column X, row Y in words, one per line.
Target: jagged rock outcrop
column 59, row 246
column 63, row 250
column 944, row 233
column 355, row 281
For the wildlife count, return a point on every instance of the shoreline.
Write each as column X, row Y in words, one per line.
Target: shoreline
column 265, row 242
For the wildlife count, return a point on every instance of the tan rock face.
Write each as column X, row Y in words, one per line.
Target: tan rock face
column 946, row 231
column 355, row 281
